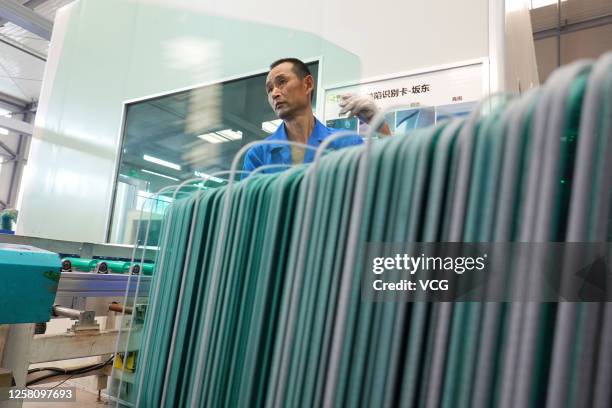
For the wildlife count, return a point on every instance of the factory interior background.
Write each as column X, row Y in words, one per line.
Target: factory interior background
column 143, row 262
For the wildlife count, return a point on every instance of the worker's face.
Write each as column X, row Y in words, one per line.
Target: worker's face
column 288, row 94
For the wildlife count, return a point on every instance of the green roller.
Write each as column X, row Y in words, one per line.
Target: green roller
column 82, row 264
column 147, row 268
column 118, row 266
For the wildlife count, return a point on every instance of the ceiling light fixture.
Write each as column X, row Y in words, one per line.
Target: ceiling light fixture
column 271, row 126
column 159, row 175
column 213, row 138
column 161, row 162
column 230, row 134
column 221, row 136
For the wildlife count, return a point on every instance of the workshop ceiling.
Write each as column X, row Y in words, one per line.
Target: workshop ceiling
column 23, row 54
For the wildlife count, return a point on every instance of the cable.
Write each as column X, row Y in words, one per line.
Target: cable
column 59, row 371
column 71, row 373
column 63, row 370
column 61, row 382
column 35, row 370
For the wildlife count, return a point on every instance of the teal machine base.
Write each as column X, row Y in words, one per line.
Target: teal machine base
column 28, row 282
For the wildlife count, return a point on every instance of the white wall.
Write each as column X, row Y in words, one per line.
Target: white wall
column 106, row 52
column 388, row 35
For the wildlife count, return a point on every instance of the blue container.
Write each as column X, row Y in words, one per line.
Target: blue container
column 28, row 282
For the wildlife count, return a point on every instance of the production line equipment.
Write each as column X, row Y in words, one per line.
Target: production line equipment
column 40, row 284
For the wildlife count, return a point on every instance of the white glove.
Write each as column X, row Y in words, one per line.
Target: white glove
column 361, row 106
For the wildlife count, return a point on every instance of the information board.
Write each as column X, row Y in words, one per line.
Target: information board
column 417, row 100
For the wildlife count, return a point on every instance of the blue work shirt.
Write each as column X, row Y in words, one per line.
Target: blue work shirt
column 280, row 153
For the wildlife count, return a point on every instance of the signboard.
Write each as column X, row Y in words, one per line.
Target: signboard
column 417, row 100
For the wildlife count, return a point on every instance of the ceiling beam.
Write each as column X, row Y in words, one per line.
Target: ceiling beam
column 31, row 4
column 7, row 149
column 16, row 126
column 573, row 27
column 12, row 101
column 23, row 48
column 26, row 18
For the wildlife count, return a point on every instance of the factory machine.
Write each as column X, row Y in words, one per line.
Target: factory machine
column 43, row 280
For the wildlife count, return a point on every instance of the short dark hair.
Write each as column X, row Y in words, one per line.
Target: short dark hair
column 300, row 69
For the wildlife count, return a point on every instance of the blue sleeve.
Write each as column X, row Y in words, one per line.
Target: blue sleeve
column 251, row 162
column 356, row 140
column 347, row 141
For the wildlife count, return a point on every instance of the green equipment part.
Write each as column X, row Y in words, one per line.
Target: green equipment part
column 147, row 268
column 135, row 268
column 30, row 277
column 82, row 264
column 105, row 266
column 118, row 266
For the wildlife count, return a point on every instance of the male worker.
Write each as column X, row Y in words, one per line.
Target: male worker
column 290, row 87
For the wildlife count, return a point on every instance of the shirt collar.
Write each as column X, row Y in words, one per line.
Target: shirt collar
column 319, row 132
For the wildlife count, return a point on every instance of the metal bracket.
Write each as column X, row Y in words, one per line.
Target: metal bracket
column 86, row 322
column 85, row 319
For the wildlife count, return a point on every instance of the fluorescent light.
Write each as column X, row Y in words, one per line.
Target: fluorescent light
column 4, row 131
column 230, row 134
column 159, row 175
column 534, row 4
column 213, row 138
column 208, row 176
column 221, row 136
column 161, row 162
column 271, row 126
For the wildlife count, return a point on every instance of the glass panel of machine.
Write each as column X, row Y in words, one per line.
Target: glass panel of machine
column 169, row 139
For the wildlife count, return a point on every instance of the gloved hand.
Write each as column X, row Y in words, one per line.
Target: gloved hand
column 361, row 106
